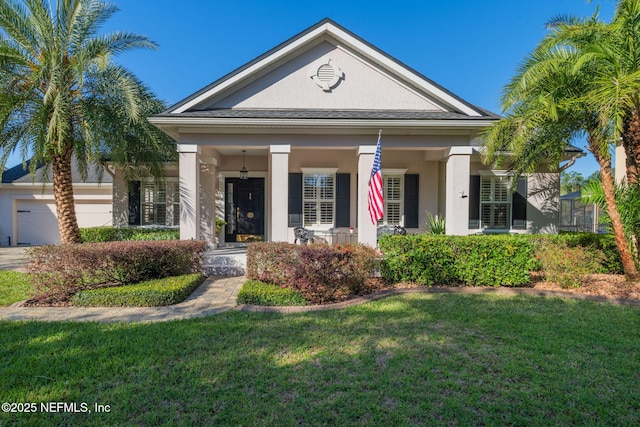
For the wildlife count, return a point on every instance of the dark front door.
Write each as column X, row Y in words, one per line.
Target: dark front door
column 244, row 209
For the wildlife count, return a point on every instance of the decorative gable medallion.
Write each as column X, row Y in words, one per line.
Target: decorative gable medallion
column 327, row 75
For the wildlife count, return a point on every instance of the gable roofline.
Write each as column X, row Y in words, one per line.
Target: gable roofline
column 331, row 28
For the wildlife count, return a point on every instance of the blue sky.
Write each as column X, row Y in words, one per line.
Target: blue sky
column 470, row 47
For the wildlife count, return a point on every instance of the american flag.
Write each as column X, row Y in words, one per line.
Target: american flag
column 376, row 198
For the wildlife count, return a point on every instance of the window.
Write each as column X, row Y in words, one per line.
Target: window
column 160, row 203
column 318, row 199
column 393, row 182
column 492, row 205
column 495, row 202
column 393, row 186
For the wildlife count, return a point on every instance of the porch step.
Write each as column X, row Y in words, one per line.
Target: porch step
column 225, row 262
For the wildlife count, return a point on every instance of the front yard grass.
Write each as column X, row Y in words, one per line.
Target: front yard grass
column 414, row 359
column 14, row 287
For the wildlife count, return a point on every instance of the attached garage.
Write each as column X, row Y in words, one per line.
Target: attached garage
column 28, row 210
column 37, row 223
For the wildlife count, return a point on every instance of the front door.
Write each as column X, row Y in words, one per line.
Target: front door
column 244, row 209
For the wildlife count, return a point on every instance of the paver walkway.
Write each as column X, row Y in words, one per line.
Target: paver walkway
column 214, row 296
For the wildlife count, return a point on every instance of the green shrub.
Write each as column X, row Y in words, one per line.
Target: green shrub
column 473, row 260
column 260, row 293
column 418, row 259
column 567, row 266
column 493, row 260
column 112, row 234
column 152, row 293
column 58, row 272
column 602, row 246
column 320, row 272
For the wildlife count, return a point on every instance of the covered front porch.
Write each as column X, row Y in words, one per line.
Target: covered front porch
column 318, row 186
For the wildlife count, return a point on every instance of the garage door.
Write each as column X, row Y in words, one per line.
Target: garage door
column 38, row 223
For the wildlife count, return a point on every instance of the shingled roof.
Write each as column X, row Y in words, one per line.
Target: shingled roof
column 331, row 114
column 20, row 174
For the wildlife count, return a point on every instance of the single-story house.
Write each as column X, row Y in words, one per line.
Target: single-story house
column 303, row 121
column 288, row 140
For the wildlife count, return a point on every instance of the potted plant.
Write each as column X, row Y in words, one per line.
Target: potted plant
column 220, row 223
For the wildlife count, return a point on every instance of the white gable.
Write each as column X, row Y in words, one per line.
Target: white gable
column 281, row 79
column 362, row 86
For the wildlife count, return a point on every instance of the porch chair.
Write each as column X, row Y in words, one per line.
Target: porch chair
column 392, row 229
column 305, row 236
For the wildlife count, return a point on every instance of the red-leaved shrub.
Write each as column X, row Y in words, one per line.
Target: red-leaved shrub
column 59, row 271
column 320, row 272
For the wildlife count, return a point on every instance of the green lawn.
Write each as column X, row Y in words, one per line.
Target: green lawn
column 13, row 287
column 416, row 359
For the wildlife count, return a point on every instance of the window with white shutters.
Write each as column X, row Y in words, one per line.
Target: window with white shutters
column 318, row 199
column 495, row 202
column 393, row 185
column 160, row 203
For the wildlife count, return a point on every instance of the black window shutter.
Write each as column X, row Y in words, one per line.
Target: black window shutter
column 411, row 201
column 519, row 205
column 295, row 200
column 134, row 203
column 343, row 200
column 474, row 201
column 474, row 198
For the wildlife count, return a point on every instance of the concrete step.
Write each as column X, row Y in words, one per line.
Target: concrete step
column 225, row 262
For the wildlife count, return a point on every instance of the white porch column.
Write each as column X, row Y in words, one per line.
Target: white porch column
column 208, row 199
column 189, row 173
column 120, row 206
column 279, row 193
column 367, row 232
column 458, row 170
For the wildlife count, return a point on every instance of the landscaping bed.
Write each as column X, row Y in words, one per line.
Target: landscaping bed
column 608, row 285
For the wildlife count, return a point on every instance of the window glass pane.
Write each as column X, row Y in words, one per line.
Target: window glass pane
column 148, row 192
column 392, row 188
column 495, row 202
column 161, row 214
column 326, row 213
column 319, row 199
column 309, row 213
column 393, row 213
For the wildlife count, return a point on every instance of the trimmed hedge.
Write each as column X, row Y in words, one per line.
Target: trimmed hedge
column 152, row 293
column 58, row 272
column 491, row 260
column 260, row 293
column 472, row 260
column 321, row 273
column 112, row 234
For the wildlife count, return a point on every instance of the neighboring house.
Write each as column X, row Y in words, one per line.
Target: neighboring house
column 578, row 216
column 306, row 115
column 28, row 211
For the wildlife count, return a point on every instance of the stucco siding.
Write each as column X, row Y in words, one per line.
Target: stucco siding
column 364, row 86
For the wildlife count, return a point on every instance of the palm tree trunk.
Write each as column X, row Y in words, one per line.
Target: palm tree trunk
column 631, row 144
column 628, row 264
column 63, row 193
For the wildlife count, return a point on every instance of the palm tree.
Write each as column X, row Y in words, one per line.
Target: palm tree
column 612, row 53
column 545, row 108
column 62, row 97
